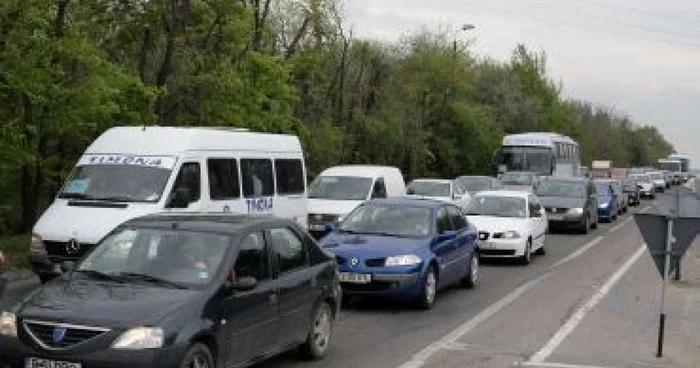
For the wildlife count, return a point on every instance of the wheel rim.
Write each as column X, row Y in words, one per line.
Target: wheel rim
column 198, row 361
column 322, row 329
column 430, row 287
column 475, row 268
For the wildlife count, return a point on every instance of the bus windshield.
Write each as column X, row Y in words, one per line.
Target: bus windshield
column 670, row 166
column 534, row 159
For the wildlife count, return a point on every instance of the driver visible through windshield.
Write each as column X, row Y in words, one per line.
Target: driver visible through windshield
column 168, row 257
column 402, row 221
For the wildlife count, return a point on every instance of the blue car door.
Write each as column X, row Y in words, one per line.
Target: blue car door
column 445, row 248
column 464, row 240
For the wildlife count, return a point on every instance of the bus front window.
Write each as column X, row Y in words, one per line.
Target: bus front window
column 534, row 159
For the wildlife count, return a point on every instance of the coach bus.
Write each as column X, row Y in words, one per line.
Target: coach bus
column 548, row 154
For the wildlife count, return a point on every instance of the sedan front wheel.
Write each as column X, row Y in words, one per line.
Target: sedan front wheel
column 427, row 297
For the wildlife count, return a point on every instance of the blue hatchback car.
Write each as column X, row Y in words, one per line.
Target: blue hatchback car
column 607, row 202
column 404, row 249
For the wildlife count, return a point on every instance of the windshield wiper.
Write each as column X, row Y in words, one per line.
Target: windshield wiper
column 115, row 199
column 98, row 275
column 151, row 279
column 74, row 196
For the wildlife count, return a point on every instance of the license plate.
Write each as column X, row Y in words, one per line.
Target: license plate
column 555, row 217
column 317, row 227
column 46, row 363
column 355, row 278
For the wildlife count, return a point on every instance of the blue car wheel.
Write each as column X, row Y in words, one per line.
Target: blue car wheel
column 426, row 300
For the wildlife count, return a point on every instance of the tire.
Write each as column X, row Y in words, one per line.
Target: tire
column 426, row 300
column 45, row 277
column 527, row 257
column 320, row 332
column 586, row 226
column 541, row 251
column 198, row 356
column 472, row 279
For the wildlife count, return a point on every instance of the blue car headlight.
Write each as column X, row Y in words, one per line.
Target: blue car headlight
column 404, row 260
column 604, row 205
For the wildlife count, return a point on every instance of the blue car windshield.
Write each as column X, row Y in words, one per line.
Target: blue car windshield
column 400, row 221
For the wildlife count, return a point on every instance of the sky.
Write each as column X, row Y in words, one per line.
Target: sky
column 641, row 57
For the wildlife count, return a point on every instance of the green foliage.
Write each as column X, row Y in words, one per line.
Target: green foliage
column 69, row 69
column 16, row 247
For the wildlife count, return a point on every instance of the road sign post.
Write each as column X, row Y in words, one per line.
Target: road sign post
column 668, row 234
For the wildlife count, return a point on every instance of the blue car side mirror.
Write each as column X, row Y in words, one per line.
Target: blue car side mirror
column 447, row 235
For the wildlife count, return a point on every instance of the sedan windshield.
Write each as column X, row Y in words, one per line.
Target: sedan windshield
column 554, row 188
column 474, row 185
column 350, row 188
column 642, row 178
column 401, row 221
column 166, row 257
column 512, row 178
column 429, row 188
column 497, row 206
column 127, row 183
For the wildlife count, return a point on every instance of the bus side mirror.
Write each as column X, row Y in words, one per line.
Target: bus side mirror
column 180, row 198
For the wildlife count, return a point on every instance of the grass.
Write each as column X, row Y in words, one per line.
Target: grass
column 17, row 248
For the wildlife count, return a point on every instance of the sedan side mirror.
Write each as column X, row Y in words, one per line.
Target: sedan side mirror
column 447, row 235
column 242, row 284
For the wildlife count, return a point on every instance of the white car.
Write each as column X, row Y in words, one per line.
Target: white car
column 646, row 186
column 510, row 224
column 657, row 178
column 439, row 189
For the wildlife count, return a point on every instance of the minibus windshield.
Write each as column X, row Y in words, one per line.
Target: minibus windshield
column 119, row 183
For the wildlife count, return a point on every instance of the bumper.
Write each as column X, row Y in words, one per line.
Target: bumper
column 13, row 354
column 606, row 213
column 502, row 248
column 395, row 286
column 566, row 221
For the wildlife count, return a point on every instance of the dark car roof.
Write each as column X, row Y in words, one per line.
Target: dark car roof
column 408, row 202
column 209, row 222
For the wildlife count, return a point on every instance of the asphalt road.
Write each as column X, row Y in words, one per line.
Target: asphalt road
column 377, row 335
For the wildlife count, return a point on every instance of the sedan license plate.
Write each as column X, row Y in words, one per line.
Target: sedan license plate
column 555, row 217
column 317, row 227
column 355, row 278
column 46, row 363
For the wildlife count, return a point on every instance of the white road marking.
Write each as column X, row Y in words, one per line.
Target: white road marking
column 580, row 314
column 577, row 253
column 561, row 365
column 418, row 359
column 620, row 225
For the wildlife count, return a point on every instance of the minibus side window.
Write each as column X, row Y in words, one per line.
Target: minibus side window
column 187, row 186
column 289, row 175
column 258, row 180
column 223, row 179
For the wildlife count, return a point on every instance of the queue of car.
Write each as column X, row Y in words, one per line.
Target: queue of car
column 145, row 263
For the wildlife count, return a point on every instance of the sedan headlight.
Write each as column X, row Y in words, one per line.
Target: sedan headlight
column 407, row 260
column 36, row 244
column 140, row 338
column 8, row 324
column 576, row 211
column 510, row 235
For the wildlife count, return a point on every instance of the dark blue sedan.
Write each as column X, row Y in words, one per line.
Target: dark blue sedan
column 607, row 201
column 405, row 249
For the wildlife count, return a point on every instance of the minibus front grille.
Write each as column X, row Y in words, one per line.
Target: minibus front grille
column 70, row 250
